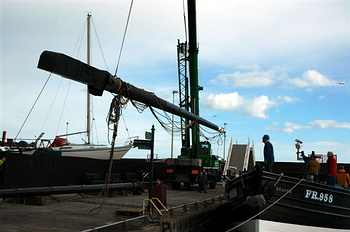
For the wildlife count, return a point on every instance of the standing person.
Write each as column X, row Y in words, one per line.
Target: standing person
column 332, row 168
column 269, row 157
column 312, row 167
column 343, row 178
column 205, row 182
column 202, row 182
column 160, row 192
column 2, row 171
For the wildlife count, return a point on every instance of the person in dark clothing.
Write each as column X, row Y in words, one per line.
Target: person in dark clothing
column 269, row 158
column 203, row 182
column 160, row 192
column 2, row 171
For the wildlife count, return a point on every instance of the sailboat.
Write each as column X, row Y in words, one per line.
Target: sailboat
column 60, row 144
column 88, row 150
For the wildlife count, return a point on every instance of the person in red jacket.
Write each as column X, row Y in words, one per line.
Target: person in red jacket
column 343, row 178
column 332, row 168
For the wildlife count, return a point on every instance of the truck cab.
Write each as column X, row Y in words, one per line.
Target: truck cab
column 185, row 170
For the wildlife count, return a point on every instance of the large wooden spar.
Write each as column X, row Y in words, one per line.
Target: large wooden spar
column 99, row 80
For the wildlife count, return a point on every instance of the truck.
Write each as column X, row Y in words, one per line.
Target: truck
column 184, row 170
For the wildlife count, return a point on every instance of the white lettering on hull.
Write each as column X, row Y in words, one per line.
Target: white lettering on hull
column 318, row 196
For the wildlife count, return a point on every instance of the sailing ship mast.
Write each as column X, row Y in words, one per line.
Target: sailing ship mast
column 88, row 103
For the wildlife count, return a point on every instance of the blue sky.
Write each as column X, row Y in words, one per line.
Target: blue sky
column 267, row 68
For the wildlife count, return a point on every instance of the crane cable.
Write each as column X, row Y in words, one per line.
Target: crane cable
column 122, row 44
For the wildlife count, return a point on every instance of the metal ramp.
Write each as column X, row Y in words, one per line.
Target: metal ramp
column 240, row 158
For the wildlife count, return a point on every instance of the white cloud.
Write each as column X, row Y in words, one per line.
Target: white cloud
column 312, row 78
column 258, row 106
column 255, row 107
column 324, row 124
column 230, row 101
column 264, row 78
column 247, row 79
column 290, row 127
column 270, row 27
column 286, row 99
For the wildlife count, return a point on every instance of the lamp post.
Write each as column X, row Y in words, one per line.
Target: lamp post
column 224, row 138
column 172, row 127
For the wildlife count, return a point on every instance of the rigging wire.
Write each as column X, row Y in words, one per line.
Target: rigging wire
column 96, row 134
column 166, row 126
column 100, row 46
column 126, row 126
column 31, row 109
column 63, row 107
column 76, row 52
column 92, row 117
column 122, row 44
column 77, row 46
column 51, row 106
column 207, row 131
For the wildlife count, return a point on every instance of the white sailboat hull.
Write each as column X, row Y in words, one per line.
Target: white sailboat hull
column 93, row 152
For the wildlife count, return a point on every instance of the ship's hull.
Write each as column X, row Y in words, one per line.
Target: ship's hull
column 80, row 151
column 93, row 152
column 288, row 200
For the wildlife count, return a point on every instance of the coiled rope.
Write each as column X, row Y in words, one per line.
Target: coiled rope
column 115, row 111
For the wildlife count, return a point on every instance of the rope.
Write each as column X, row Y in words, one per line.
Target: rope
column 122, row 45
column 279, row 179
column 267, row 208
column 114, row 114
column 31, row 109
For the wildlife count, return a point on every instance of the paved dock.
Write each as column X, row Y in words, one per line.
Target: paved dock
column 73, row 212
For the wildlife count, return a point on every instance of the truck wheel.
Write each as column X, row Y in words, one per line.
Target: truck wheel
column 212, row 185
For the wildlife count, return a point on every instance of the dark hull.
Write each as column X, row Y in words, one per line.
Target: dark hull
column 304, row 216
column 309, row 204
column 50, row 169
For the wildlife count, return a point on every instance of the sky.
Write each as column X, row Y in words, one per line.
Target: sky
column 269, row 67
